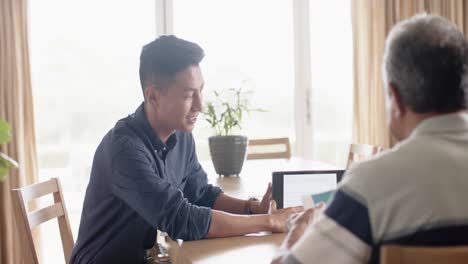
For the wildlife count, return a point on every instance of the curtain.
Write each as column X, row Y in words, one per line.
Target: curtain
column 16, row 107
column 372, row 20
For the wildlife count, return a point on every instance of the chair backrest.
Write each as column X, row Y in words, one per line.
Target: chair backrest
column 282, row 154
column 423, row 255
column 359, row 152
column 27, row 221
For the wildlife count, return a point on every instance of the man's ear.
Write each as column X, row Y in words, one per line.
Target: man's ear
column 151, row 94
column 398, row 108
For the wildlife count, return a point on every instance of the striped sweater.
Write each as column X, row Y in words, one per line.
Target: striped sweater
column 413, row 194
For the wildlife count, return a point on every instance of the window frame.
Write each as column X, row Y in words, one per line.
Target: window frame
column 303, row 125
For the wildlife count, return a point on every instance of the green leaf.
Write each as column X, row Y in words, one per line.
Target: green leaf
column 227, row 110
column 5, row 164
column 4, row 132
column 3, row 173
column 7, row 161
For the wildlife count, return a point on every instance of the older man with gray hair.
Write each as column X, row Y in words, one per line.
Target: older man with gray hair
column 415, row 193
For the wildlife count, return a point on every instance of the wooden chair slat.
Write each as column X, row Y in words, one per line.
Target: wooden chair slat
column 39, row 189
column 393, row 254
column 40, row 216
column 285, row 154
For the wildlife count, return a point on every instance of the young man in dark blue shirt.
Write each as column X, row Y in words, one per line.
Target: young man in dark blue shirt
column 146, row 175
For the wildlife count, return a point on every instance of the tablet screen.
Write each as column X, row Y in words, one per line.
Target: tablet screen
column 297, row 185
column 290, row 186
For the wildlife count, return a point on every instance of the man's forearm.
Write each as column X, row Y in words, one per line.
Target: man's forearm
column 230, row 204
column 226, row 225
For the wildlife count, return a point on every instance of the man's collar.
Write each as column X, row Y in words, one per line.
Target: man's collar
column 143, row 123
column 443, row 123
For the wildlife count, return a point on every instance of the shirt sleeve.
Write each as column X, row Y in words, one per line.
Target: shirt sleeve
column 197, row 190
column 163, row 206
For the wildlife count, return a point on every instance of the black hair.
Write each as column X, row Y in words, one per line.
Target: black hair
column 163, row 58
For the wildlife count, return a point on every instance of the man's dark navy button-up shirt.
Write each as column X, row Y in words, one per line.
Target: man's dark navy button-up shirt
column 139, row 184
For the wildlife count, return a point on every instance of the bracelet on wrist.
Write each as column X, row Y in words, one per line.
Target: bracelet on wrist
column 248, row 205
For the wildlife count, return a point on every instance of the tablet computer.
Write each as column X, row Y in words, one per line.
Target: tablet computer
column 290, row 186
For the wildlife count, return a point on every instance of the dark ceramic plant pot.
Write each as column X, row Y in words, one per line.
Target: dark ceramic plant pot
column 228, row 154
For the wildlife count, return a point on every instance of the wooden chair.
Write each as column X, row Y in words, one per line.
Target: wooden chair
column 27, row 221
column 285, row 154
column 359, row 152
column 423, row 255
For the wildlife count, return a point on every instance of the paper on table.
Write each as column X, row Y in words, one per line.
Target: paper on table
column 309, row 201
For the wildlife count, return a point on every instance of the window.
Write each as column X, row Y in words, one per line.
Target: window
column 249, row 44
column 332, row 79
column 84, row 66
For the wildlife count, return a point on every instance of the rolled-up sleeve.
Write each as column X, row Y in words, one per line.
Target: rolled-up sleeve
column 197, row 189
column 163, row 206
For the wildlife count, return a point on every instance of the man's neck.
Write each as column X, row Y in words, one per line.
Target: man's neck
column 159, row 130
column 414, row 119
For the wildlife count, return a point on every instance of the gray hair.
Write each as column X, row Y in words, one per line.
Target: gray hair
column 426, row 59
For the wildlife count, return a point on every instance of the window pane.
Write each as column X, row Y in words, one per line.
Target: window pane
column 248, row 43
column 84, row 60
column 332, row 80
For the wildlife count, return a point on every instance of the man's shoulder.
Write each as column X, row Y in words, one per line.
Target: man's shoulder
column 384, row 168
column 398, row 156
column 408, row 162
column 123, row 137
column 371, row 167
column 185, row 139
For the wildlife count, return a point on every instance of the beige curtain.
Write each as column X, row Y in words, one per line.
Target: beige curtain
column 372, row 20
column 16, row 107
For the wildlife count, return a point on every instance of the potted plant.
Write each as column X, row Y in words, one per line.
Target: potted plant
column 224, row 115
column 5, row 162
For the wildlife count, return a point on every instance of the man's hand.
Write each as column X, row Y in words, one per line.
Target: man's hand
column 298, row 223
column 279, row 217
column 263, row 206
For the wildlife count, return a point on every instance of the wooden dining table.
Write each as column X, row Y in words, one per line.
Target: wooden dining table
column 252, row 248
column 256, row 174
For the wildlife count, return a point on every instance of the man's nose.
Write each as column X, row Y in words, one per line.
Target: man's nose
column 198, row 102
